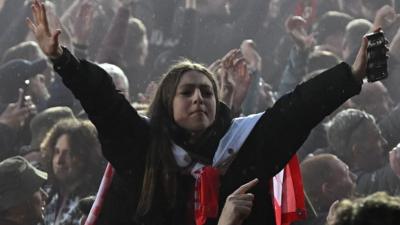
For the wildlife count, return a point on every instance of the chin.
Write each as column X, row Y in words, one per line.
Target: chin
column 198, row 129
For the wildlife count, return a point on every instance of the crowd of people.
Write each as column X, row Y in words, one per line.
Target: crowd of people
column 196, row 105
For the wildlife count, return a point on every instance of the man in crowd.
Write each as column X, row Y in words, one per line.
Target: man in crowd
column 326, row 179
column 354, row 136
column 71, row 151
column 21, row 198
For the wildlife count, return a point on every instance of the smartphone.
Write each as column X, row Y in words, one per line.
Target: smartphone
column 24, row 89
column 377, row 57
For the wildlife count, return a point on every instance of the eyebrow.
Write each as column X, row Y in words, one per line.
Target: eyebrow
column 194, row 86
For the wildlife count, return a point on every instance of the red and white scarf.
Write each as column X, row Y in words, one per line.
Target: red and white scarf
column 288, row 197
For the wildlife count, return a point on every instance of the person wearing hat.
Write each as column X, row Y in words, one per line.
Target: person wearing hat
column 21, row 198
column 20, row 73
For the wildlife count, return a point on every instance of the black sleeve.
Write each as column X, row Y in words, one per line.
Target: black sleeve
column 123, row 133
column 383, row 179
column 7, row 142
column 283, row 128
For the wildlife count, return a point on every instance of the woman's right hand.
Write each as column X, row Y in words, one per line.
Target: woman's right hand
column 47, row 39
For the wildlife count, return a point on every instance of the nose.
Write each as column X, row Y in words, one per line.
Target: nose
column 60, row 158
column 197, row 96
column 44, row 195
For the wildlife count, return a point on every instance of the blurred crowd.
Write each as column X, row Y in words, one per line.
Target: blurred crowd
column 258, row 50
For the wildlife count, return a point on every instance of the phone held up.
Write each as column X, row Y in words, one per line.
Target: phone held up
column 24, row 89
column 377, row 56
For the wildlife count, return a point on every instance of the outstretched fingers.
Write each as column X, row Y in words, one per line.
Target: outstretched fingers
column 31, row 25
column 35, row 12
column 43, row 17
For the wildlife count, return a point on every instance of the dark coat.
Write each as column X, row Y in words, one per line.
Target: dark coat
column 383, row 179
column 125, row 135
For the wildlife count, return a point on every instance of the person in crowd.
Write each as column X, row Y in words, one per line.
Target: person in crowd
column 28, row 50
column 388, row 17
column 326, row 179
column 354, row 30
column 330, row 30
column 370, row 7
column 40, row 124
column 378, row 208
column 177, row 144
column 305, row 62
column 12, row 16
column 241, row 68
column 19, row 73
column 126, row 46
column 13, row 118
column 22, row 198
column 26, row 75
column 270, row 35
column 355, row 137
column 382, row 107
column 351, row 7
column 71, row 151
column 119, row 78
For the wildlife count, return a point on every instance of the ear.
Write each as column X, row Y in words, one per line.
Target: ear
column 355, row 153
column 325, row 188
column 41, row 78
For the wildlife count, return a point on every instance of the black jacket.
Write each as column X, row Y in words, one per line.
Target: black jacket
column 124, row 136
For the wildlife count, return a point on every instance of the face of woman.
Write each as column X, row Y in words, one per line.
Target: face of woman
column 194, row 103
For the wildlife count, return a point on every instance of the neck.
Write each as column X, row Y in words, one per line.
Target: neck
column 194, row 136
column 67, row 188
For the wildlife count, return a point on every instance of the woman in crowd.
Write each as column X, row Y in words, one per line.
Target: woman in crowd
column 189, row 148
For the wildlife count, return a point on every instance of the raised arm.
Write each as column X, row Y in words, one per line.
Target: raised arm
column 122, row 132
column 283, row 128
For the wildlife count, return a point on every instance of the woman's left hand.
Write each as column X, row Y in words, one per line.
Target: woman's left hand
column 238, row 205
column 359, row 67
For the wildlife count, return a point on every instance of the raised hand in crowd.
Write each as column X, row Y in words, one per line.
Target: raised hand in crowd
column 47, row 39
column 224, row 82
column 147, row 96
column 83, row 23
column 359, row 66
column 190, row 4
column 15, row 114
column 385, row 17
column 235, row 67
column 238, row 205
column 250, row 54
column 55, row 23
column 330, row 218
column 296, row 28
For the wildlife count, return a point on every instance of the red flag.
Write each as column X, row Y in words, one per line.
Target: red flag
column 98, row 203
column 288, row 195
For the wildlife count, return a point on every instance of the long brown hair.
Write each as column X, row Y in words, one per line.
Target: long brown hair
column 160, row 162
column 84, row 145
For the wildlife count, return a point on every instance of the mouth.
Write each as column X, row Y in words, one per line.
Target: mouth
column 60, row 170
column 198, row 112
